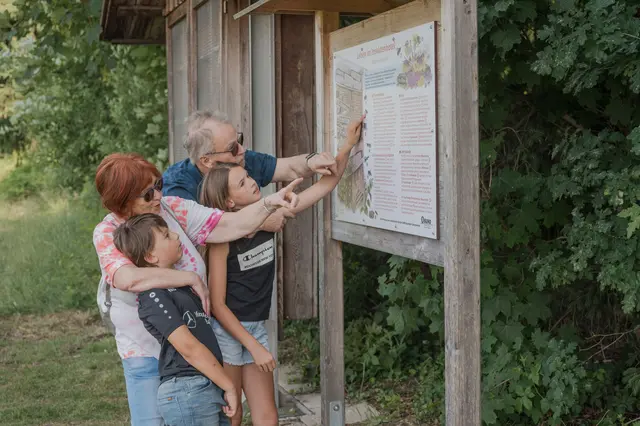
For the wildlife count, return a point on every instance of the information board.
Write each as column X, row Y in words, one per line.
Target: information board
column 391, row 181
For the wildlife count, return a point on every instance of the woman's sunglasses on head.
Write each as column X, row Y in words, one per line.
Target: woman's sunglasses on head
column 149, row 194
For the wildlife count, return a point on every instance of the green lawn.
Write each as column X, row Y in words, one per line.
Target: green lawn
column 47, row 259
column 58, row 365
column 59, row 369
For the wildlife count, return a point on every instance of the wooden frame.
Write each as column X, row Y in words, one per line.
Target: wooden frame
column 459, row 247
column 277, row 55
column 177, row 14
column 172, row 5
column 331, row 289
column 459, row 101
column 311, row 6
column 411, row 246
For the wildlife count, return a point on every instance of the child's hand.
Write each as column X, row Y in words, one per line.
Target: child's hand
column 284, row 198
column 231, row 398
column 264, row 360
column 354, row 130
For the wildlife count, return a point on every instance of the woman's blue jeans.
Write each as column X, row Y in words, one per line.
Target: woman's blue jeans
column 143, row 379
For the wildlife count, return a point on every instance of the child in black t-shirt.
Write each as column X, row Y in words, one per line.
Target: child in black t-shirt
column 194, row 388
column 241, row 277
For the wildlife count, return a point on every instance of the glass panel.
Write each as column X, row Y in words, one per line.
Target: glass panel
column 208, row 50
column 179, row 87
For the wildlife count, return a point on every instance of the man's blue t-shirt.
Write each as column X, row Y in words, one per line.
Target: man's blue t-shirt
column 183, row 179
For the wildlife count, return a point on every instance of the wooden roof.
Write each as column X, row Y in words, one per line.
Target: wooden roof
column 143, row 21
column 133, row 21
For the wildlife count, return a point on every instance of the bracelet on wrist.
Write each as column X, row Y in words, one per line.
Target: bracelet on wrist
column 269, row 210
column 309, row 157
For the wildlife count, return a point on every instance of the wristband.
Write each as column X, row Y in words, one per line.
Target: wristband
column 309, row 157
column 264, row 204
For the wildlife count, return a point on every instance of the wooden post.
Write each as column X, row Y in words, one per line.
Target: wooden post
column 263, row 86
column 330, row 286
column 459, row 100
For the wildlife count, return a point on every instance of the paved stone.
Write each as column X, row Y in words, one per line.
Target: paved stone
column 313, row 401
column 308, row 405
column 310, row 420
column 290, row 380
column 359, row 413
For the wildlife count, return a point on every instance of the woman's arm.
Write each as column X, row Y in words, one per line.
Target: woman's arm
column 124, row 275
column 136, row 280
column 324, row 186
column 218, row 284
column 235, row 225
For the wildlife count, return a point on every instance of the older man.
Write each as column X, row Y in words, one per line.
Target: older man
column 213, row 139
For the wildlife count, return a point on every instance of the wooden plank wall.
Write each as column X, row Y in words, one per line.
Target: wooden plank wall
column 296, row 74
column 236, row 88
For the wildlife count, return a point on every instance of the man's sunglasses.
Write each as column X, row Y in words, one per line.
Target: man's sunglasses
column 149, row 194
column 236, row 146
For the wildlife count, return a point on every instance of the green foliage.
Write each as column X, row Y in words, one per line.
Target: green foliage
column 22, row 182
column 76, row 97
column 560, row 272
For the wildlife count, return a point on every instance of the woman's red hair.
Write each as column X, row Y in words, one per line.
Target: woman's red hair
column 120, row 178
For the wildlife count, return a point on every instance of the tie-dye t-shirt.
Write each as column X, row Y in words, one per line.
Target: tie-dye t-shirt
column 195, row 223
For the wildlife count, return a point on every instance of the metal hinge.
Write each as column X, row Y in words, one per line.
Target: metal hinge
column 224, row 6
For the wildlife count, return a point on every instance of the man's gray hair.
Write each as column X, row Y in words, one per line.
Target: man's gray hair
column 199, row 138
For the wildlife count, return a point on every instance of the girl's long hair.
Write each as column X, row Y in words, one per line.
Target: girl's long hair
column 214, row 194
column 215, row 186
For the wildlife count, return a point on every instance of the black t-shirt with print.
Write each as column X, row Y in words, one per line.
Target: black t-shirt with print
column 250, row 270
column 162, row 311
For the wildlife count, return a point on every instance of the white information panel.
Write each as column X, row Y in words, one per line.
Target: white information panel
column 391, row 181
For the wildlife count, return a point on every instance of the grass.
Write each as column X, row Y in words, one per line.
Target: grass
column 59, row 369
column 58, row 364
column 47, row 259
column 7, row 164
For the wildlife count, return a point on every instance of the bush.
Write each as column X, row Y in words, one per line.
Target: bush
column 22, row 182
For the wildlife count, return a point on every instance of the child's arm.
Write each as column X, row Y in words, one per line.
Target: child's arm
column 200, row 357
column 325, row 185
column 217, row 266
column 161, row 317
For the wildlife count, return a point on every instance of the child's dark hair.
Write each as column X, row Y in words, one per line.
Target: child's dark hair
column 134, row 238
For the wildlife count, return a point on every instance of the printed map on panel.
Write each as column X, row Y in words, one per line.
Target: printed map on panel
column 348, row 83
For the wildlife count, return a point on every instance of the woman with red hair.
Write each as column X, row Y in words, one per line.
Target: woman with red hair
column 129, row 185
